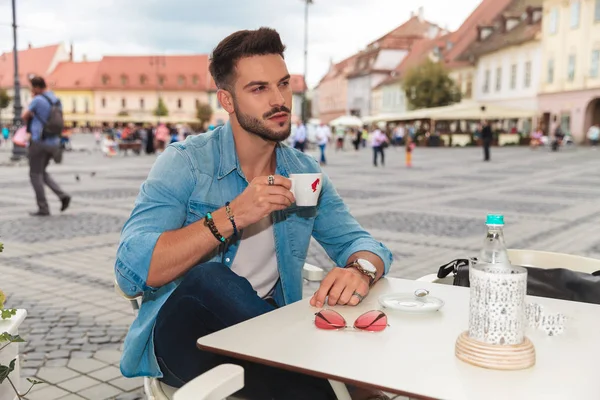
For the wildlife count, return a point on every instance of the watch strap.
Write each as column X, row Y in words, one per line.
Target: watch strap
column 354, row 264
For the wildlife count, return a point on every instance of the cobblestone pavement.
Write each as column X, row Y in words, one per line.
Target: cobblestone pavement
column 60, row 268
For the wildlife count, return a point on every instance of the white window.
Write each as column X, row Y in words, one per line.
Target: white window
column 550, row 71
column 498, row 79
column 595, row 64
column 575, row 11
column 571, row 67
column 486, row 82
column 513, row 76
column 553, row 25
column 74, row 103
column 528, row 74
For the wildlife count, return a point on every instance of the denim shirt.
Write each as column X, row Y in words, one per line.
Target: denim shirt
column 198, row 176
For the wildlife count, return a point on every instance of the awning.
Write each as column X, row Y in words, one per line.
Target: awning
column 347, row 120
column 460, row 111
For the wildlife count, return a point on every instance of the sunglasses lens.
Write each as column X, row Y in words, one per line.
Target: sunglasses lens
column 373, row 321
column 327, row 319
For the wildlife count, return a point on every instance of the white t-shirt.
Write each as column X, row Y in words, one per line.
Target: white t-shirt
column 256, row 259
column 323, row 134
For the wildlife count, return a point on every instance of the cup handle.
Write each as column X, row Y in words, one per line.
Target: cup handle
column 293, row 188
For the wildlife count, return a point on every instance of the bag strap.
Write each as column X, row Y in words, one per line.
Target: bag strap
column 452, row 266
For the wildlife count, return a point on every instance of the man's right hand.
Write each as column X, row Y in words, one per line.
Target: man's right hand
column 260, row 199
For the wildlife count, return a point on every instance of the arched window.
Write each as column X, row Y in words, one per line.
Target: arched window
column 105, row 79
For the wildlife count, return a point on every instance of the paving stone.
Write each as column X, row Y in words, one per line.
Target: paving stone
column 34, row 356
column 47, row 393
column 28, row 372
column 108, row 356
column 56, row 374
column 81, row 354
column 127, row 384
column 76, row 385
column 131, row 396
column 100, row 392
column 58, row 342
column 32, row 363
column 99, row 340
column 78, row 341
column 57, row 354
column 85, row 365
column 106, row 374
column 59, row 362
column 72, row 397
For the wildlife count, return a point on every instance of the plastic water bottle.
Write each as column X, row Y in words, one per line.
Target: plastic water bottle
column 494, row 247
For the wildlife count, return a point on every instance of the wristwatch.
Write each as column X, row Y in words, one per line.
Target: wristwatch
column 365, row 267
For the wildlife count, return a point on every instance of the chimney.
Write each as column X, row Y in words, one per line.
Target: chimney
column 71, row 53
column 412, row 14
column 84, row 58
column 421, row 14
column 29, row 46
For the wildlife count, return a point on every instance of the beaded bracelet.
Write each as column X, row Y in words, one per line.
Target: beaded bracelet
column 213, row 229
column 230, row 216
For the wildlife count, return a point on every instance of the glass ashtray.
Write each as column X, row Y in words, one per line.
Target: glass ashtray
column 410, row 303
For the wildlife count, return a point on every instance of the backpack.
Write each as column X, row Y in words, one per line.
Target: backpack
column 55, row 123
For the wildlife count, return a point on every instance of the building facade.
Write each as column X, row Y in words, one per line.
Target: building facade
column 570, row 87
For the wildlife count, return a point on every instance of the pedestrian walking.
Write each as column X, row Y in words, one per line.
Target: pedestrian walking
column 379, row 142
column 45, row 119
column 487, row 137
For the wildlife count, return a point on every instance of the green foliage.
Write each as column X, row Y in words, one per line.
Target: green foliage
column 7, row 313
column 5, row 370
column 5, row 99
column 429, row 85
column 204, row 113
column 161, row 110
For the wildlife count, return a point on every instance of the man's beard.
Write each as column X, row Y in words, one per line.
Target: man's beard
column 257, row 127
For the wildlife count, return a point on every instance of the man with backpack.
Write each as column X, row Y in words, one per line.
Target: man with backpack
column 44, row 119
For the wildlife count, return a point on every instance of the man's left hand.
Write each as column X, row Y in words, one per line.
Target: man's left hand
column 340, row 285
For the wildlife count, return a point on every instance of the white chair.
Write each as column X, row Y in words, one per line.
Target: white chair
column 219, row 383
column 223, row 380
column 538, row 259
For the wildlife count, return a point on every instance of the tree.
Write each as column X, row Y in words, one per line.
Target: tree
column 204, row 113
column 161, row 110
column 5, row 100
column 429, row 85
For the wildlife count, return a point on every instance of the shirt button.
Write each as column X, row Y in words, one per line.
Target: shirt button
column 227, row 259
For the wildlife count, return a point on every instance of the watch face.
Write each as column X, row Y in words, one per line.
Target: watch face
column 367, row 265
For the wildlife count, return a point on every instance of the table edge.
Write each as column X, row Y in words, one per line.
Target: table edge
column 304, row 371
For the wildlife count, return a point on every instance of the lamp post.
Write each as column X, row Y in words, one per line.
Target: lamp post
column 17, row 151
column 304, row 102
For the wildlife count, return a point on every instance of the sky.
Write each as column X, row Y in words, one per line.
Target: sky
column 337, row 28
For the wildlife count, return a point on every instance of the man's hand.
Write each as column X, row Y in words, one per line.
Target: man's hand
column 260, row 199
column 340, row 285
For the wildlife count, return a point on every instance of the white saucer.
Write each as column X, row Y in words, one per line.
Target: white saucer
column 410, row 303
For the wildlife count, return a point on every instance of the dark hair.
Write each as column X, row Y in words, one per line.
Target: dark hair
column 38, row 82
column 239, row 45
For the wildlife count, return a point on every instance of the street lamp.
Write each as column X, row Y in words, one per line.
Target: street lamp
column 17, row 151
column 304, row 102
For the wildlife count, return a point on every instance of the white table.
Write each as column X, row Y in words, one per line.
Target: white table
column 415, row 355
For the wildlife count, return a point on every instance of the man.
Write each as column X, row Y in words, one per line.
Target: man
column 487, row 137
column 180, row 249
column 593, row 135
column 43, row 147
column 300, row 137
column 323, row 138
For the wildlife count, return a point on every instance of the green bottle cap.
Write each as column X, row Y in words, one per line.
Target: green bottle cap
column 494, row 219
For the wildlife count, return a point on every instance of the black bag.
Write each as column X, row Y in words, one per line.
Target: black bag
column 559, row 283
column 55, row 123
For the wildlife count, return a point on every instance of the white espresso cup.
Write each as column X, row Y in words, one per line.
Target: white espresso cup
column 306, row 188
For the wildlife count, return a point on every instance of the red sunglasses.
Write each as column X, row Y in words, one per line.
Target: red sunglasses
column 371, row 321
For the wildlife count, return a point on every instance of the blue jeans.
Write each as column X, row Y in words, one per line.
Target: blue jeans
column 210, row 298
column 323, row 160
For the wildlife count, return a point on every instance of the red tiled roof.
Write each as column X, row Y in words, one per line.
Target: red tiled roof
column 73, row 75
column 405, row 34
column 144, row 72
column 466, row 35
column 420, row 51
column 31, row 61
column 524, row 31
column 296, row 81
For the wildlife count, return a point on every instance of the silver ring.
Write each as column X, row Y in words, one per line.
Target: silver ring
column 271, row 180
column 360, row 296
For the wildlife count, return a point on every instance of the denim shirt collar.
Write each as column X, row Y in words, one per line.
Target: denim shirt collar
column 230, row 161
